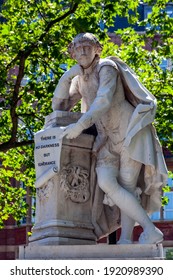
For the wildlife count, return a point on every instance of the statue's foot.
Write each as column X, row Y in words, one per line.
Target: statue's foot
column 124, row 241
column 151, row 237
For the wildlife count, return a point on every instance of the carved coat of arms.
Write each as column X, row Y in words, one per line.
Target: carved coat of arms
column 75, row 183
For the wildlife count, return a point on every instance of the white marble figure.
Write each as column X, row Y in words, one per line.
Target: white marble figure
column 127, row 148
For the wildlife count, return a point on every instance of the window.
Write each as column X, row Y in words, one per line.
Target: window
column 166, row 64
column 148, row 10
column 168, row 209
column 166, row 212
column 169, row 10
column 31, row 201
column 33, row 205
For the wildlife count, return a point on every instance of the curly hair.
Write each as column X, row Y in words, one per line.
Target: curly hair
column 83, row 37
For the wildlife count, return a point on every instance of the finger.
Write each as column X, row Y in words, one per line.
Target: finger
column 64, row 133
column 69, row 135
column 61, row 136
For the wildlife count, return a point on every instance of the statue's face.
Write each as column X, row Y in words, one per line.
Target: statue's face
column 84, row 53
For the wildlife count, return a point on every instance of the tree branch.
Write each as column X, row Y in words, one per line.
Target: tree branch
column 10, row 145
column 22, row 56
column 14, row 117
column 30, row 48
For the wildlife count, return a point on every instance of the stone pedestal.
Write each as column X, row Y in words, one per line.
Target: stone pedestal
column 99, row 252
column 64, row 203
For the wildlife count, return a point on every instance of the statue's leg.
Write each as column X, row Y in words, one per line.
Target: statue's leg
column 127, row 202
column 127, row 225
column 128, row 178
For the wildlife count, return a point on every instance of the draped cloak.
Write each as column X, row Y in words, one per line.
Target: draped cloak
column 143, row 145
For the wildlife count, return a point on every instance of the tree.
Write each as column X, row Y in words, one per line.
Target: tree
column 34, row 35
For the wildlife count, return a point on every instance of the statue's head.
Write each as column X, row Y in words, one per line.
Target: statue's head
column 83, row 38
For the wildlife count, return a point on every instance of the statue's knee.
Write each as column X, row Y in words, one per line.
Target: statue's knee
column 107, row 179
column 102, row 177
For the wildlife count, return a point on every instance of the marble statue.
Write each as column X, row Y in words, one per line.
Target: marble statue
column 129, row 159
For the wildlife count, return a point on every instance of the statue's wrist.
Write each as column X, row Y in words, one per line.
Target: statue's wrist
column 81, row 125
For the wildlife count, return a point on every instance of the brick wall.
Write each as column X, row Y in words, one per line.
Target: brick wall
column 10, row 238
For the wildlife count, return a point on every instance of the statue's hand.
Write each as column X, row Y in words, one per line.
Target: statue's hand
column 74, row 71
column 72, row 131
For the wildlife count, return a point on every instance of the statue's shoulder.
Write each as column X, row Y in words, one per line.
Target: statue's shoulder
column 106, row 62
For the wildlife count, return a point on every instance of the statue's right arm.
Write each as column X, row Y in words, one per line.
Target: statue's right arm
column 63, row 98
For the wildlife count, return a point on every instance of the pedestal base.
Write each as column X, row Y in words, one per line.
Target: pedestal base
column 59, row 232
column 100, row 251
column 55, row 241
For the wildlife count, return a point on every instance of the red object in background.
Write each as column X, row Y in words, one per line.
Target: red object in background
column 10, row 238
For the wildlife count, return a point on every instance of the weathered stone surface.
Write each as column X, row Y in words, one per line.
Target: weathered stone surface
column 129, row 159
column 102, row 252
column 64, row 198
column 126, row 170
